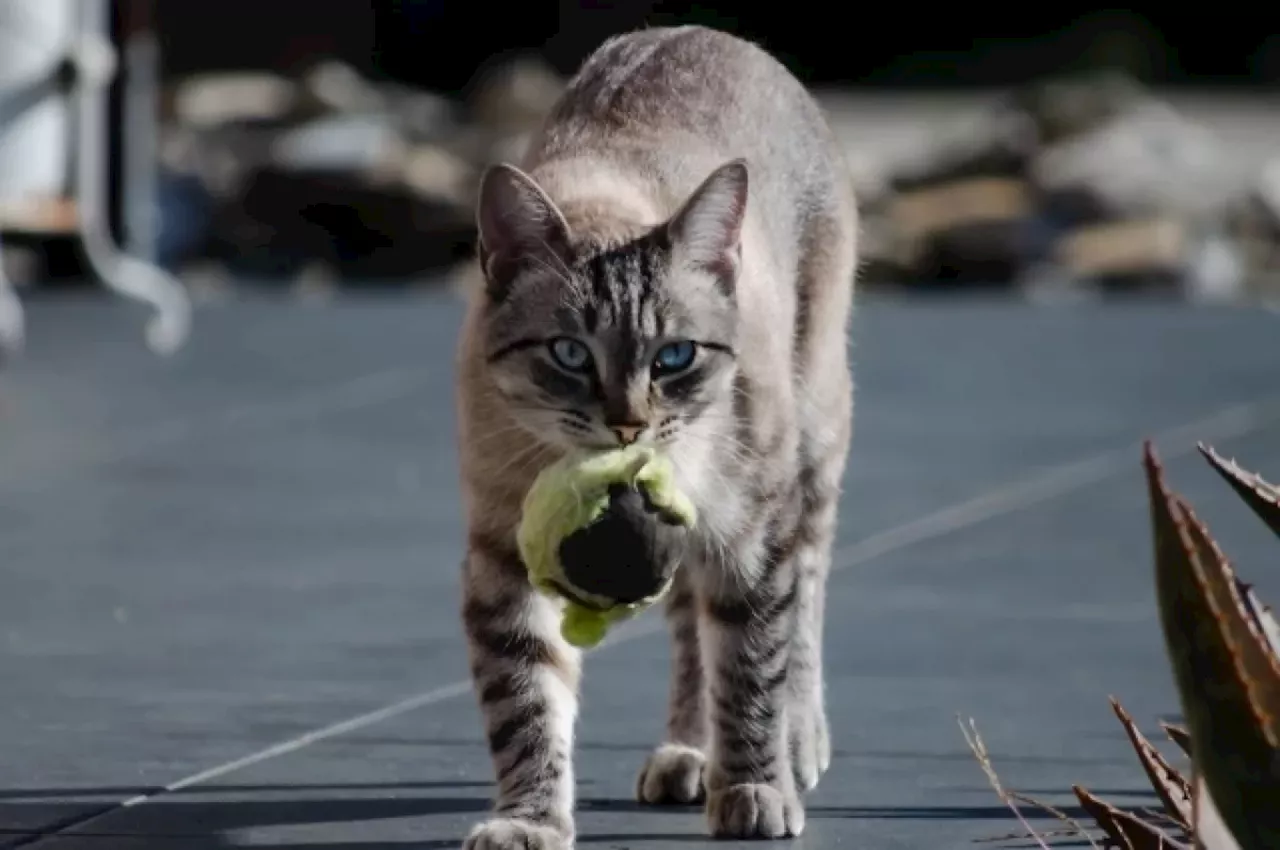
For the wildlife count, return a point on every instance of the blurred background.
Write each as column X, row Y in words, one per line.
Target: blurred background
column 314, row 145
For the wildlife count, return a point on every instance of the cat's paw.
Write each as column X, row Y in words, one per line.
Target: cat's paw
column 515, row 834
column 672, row 775
column 809, row 741
column 754, row 811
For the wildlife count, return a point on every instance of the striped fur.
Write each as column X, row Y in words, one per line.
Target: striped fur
column 685, row 188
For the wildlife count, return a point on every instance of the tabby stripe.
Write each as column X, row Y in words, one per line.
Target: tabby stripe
column 744, row 611
column 523, row 717
column 498, row 689
column 743, row 716
column 782, row 606
column 532, row 767
column 764, row 655
column 761, row 654
column 753, row 686
column 731, row 612
column 513, row 645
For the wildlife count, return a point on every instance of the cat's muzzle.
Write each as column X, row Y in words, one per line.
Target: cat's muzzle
column 627, row 554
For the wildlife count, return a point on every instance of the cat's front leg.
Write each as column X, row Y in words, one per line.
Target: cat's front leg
column 526, row 678
column 748, row 623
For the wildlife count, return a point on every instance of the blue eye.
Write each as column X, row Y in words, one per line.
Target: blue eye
column 675, row 356
column 570, row 354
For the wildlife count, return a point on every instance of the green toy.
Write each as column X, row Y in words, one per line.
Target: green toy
column 604, row 532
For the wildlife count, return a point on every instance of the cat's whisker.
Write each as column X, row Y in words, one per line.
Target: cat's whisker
column 493, row 435
column 523, row 459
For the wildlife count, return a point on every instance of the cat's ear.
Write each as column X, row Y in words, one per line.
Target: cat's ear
column 707, row 232
column 518, row 224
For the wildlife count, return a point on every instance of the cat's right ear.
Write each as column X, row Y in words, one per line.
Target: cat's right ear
column 519, row 225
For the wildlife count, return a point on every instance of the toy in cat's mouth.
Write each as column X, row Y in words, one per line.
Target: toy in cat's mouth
column 606, row 533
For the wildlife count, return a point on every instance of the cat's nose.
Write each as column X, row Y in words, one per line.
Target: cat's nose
column 627, row 434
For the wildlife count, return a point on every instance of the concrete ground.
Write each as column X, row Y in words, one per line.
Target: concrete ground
column 228, row 582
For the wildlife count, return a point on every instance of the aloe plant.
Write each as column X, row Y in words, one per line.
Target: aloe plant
column 1223, row 644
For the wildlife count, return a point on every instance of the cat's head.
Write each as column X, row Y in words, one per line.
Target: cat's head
column 596, row 346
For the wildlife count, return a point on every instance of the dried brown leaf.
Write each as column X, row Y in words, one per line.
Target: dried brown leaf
column 1174, row 791
column 1076, row 828
column 1179, row 735
column 1262, row 616
column 1028, row 836
column 979, row 749
column 1126, row 830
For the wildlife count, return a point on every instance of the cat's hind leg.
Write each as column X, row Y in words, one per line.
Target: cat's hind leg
column 672, row 775
column 825, row 389
column 809, row 737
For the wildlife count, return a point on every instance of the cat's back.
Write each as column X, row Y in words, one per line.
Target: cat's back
column 685, row 85
column 667, row 105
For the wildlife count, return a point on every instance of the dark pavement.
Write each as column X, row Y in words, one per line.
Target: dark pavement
column 228, row 581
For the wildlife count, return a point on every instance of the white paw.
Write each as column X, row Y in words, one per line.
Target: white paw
column 513, row 834
column 672, row 775
column 754, row 811
column 809, row 742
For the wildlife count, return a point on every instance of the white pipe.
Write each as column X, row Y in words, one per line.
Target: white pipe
column 127, row 275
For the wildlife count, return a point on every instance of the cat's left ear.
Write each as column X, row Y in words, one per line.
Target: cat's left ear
column 518, row 225
column 707, row 232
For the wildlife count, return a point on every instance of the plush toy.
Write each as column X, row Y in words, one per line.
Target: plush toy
column 604, row 532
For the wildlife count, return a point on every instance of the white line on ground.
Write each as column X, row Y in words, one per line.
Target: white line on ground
column 1009, row 498
column 43, row 471
column 425, row 698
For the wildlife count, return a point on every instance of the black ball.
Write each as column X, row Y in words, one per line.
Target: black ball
column 626, row 554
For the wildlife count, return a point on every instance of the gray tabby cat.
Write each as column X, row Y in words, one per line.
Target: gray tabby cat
column 672, row 264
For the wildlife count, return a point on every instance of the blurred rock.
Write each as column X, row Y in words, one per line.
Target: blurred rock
column 513, row 97
column 330, row 171
column 508, row 103
column 1063, row 108
column 958, row 214
column 419, row 115
column 1254, row 224
column 437, row 172
column 1140, row 161
column 286, row 220
column 217, row 99
column 360, row 143
column 365, row 179
column 1087, row 182
column 1139, row 195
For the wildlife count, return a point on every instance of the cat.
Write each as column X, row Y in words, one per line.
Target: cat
column 672, row 263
